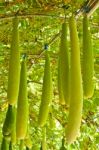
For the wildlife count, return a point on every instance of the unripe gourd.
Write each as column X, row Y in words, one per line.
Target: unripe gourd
column 9, row 121
column 13, row 132
column 76, row 90
column 5, row 144
column 46, row 92
column 63, row 68
column 14, row 66
column 22, row 106
column 88, row 61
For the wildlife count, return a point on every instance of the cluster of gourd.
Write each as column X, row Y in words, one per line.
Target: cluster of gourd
column 16, row 121
column 71, row 87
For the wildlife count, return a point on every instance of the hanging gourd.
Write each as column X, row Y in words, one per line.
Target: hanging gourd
column 76, row 90
column 14, row 66
column 46, row 92
column 63, row 68
column 22, row 106
column 9, row 122
column 88, row 60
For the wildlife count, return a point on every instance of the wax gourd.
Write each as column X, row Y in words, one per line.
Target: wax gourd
column 14, row 66
column 88, row 61
column 63, row 68
column 22, row 106
column 76, row 89
column 46, row 92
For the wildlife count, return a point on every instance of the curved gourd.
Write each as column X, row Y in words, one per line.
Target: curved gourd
column 88, row 61
column 76, row 90
column 46, row 92
column 22, row 106
column 63, row 68
column 14, row 66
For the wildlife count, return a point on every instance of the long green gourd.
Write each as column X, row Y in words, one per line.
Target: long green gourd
column 14, row 66
column 8, row 123
column 88, row 61
column 76, row 90
column 22, row 106
column 5, row 144
column 46, row 92
column 63, row 68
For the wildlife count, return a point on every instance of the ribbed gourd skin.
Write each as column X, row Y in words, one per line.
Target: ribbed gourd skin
column 22, row 106
column 4, row 145
column 76, row 89
column 9, row 121
column 46, row 92
column 63, row 68
column 14, row 66
column 88, row 60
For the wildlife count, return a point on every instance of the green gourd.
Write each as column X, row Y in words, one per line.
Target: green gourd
column 22, row 106
column 63, row 143
column 5, row 144
column 8, row 123
column 88, row 61
column 13, row 132
column 63, row 68
column 14, row 66
column 46, row 92
column 10, row 146
column 76, row 89
column 21, row 145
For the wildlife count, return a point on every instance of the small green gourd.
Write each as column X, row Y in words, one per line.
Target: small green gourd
column 46, row 92
column 22, row 106
column 8, row 123
column 14, row 66
column 76, row 89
